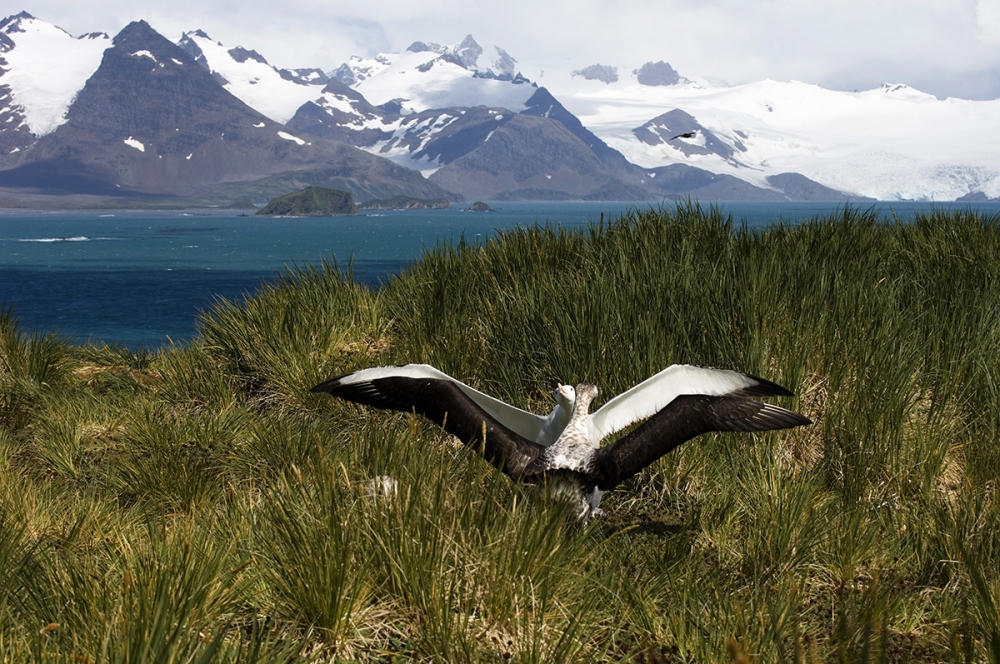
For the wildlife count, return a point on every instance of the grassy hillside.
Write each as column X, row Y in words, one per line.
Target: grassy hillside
column 198, row 504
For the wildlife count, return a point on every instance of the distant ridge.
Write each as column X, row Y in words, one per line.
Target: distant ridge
column 202, row 123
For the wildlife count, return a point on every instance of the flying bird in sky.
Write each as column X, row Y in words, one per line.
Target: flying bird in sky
column 561, row 451
column 687, row 134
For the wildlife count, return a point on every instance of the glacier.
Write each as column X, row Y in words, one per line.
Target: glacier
column 253, row 81
column 426, row 80
column 46, row 68
column 890, row 143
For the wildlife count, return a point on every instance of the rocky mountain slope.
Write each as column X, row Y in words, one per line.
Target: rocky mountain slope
column 151, row 120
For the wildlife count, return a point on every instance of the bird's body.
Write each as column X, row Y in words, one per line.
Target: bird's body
column 569, row 461
column 574, row 447
column 562, row 451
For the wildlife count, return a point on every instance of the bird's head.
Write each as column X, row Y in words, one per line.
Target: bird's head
column 565, row 397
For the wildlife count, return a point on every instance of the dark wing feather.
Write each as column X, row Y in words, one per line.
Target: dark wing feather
column 442, row 402
column 763, row 388
column 684, row 418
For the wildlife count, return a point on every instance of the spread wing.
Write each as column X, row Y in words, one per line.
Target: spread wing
column 444, row 402
column 653, row 394
column 525, row 424
column 684, row 418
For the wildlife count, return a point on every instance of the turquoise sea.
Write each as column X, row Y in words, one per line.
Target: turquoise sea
column 140, row 278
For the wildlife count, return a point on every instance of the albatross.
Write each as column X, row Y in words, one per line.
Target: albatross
column 561, row 451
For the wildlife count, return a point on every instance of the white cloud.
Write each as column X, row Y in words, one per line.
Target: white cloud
column 988, row 18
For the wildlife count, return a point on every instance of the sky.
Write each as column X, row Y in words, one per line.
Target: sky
column 946, row 48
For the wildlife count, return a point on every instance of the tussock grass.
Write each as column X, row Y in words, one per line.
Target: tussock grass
column 198, row 504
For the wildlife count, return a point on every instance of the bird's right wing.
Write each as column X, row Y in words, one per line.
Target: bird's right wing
column 653, row 394
column 521, row 422
column 684, row 418
column 442, row 401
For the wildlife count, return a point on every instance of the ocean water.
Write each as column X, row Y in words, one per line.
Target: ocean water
column 141, row 278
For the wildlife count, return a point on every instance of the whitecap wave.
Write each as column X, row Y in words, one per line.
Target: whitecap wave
column 78, row 238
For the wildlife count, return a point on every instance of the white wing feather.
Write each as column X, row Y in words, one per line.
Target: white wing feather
column 519, row 421
column 653, row 394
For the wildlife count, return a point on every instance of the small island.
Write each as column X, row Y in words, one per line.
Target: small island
column 405, row 203
column 479, row 206
column 311, row 202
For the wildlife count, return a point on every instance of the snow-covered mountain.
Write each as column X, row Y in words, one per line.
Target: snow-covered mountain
column 151, row 123
column 430, row 76
column 463, row 116
column 891, row 143
column 423, row 108
column 494, row 62
column 277, row 93
column 343, row 114
column 431, row 139
column 41, row 69
column 620, row 131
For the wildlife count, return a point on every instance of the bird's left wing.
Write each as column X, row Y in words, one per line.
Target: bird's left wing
column 684, row 418
column 443, row 402
column 653, row 394
column 519, row 421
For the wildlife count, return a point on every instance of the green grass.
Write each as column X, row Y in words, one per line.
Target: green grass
column 198, row 504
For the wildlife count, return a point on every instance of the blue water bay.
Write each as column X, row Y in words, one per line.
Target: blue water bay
column 140, row 278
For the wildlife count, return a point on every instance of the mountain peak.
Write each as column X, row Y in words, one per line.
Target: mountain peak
column 155, row 73
column 195, row 33
column 657, row 73
column 468, row 52
column 137, row 31
column 43, row 68
column 13, row 23
column 240, row 54
column 245, row 73
column 422, row 47
column 603, row 73
column 504, row 63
